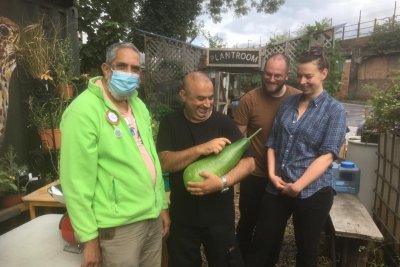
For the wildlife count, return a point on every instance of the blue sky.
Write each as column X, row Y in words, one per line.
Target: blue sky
column 256, row 27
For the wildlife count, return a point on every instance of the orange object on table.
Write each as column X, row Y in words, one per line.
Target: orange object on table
column 41, row 198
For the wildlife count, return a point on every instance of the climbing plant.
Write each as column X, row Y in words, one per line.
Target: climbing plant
column 312, row 33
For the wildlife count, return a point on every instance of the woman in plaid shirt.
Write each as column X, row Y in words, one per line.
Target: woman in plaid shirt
column 307, row 134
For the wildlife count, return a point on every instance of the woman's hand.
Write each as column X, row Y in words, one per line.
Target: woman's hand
column 291, row 190
column 277, row 182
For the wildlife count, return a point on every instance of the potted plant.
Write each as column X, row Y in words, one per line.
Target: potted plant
column 385, row 113
column 64, row 69
column 37, row 52
column 46, row 116
column 49, row 61
column 12, row 188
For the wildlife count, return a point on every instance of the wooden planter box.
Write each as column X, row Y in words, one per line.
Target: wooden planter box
column 387, row 195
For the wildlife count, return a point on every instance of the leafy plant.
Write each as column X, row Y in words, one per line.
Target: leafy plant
column 45, row 57
column 385, row 115
column 313, row 32
column 63, row 65
column 385, row 38
column 157, row 112
column 46, row 115
column 10, row 173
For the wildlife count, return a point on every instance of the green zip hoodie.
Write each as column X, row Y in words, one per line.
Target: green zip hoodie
column 105, row 181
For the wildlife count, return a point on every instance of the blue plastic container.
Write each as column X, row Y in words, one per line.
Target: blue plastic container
column 347, row 177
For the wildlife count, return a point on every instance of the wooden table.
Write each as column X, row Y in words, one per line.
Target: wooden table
column 41, row 198
column 37, row 243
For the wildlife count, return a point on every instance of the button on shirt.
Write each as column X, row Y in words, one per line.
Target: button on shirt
column 297, row 143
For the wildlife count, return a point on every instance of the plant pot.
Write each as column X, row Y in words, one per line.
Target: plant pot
column 67, row 91
column 7, row 201
column 365, row 156
column 47, row 139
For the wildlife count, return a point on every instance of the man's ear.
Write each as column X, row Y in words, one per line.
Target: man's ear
column 105, row 69
column 182, row 95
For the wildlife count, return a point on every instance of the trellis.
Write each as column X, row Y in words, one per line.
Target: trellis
column 289, row 46
column 387, row 192
column 168, row 59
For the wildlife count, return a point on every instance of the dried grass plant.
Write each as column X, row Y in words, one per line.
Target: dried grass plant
column 37, row 51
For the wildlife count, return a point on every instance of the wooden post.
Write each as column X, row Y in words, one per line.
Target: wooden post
column 359, row 22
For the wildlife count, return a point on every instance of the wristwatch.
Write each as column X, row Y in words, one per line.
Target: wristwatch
column 225, row 186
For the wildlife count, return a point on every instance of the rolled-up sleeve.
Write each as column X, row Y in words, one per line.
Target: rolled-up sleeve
column 335, row 132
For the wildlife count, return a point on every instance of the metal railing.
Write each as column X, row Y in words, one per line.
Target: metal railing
column 362, row 29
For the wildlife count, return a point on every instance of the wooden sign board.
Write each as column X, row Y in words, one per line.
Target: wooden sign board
column 219, row 57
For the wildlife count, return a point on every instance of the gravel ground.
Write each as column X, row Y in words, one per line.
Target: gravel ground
column 288, row 251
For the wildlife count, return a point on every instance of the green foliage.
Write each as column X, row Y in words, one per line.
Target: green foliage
column 45, row 115
column 277, row 38
column 319, row 26
column 333, row 81
column 9, row 173
column 215, row 41
column 247, row 82
column 63, row 65
column 385, row 115
column 310, row 34
column 157, row 111
column 241, row 7
column 385, row 38
column 172, row 18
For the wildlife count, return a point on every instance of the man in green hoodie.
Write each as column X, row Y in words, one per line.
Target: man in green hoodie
column 110, row 173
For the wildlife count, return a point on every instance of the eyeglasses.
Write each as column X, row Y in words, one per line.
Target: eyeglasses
column 268, row 75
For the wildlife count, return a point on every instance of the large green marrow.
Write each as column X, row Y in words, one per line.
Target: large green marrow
column 218, row 164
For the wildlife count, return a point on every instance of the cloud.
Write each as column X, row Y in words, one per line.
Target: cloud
column 292, row 15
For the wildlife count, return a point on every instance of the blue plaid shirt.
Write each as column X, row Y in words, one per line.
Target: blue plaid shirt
column 320, row 130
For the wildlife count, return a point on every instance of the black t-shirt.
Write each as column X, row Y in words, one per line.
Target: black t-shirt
column 176, row 133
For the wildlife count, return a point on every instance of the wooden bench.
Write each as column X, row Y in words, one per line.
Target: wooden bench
column 354, row 230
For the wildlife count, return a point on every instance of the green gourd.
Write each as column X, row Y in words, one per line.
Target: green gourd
column 218, row 164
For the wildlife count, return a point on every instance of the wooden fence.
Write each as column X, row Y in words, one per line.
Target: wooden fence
column 168, row 59
column 386, row 210
column 289, row 47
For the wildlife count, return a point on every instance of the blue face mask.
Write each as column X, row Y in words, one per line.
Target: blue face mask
column 123, row 84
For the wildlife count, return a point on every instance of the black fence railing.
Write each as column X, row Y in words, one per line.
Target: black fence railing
column 362, row 29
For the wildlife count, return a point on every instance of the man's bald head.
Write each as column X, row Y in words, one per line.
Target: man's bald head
column 195, row 78
column 198, row 96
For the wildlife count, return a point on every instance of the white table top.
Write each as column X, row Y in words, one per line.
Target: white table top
column 37, row 243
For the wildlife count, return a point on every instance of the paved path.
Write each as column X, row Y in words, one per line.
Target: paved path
column 355, row 114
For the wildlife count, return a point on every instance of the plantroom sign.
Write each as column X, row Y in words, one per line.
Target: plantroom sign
column 233, row 57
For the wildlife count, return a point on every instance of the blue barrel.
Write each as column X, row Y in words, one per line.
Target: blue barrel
column 347, row 177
